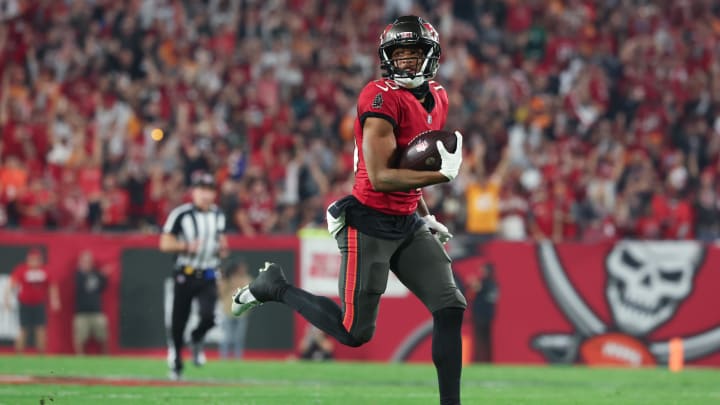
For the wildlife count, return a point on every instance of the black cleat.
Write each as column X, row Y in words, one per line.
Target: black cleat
column 269, row 282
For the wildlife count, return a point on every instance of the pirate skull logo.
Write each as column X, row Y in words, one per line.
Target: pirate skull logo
column 647, row 281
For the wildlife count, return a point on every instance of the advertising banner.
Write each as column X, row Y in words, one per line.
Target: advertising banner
column 605, row 304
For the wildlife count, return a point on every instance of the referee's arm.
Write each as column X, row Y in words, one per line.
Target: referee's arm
column 169, row 241
column 171, row 244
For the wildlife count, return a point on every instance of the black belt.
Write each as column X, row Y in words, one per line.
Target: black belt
column 207, row 273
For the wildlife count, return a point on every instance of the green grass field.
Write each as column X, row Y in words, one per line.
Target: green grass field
column 125, row 380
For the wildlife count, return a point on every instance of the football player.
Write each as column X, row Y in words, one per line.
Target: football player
column 384, row 225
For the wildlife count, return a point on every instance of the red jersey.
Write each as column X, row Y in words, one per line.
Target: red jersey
column 259, row 209
column 385, row 99
column 33, row 284
column 118, row 205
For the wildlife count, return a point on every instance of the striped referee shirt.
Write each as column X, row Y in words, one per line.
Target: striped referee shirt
column 188, row 223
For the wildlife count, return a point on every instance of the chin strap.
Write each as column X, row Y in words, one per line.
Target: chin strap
column 420, row 91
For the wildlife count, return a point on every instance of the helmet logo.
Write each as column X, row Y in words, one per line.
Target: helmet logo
column 431, row 31
column 405, row 35
column 385, row 32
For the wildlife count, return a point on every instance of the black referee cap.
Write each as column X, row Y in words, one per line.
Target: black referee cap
column 203, row 179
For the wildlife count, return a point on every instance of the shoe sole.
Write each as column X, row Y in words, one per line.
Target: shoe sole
column 239, row 309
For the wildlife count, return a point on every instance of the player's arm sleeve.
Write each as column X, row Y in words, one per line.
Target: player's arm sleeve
column 379, row 101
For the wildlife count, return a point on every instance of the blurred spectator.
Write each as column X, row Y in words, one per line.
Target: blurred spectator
column 114, row 204
column 36, row 205
column 552, row 213
column 514, row 210
column 316, row 345
column 482, row 195
column 33, row 286
column 256, row 213
column 234, row 327
column 89, row 320
column 73, row 205
column 707, row 209
column 601, row 101
column 486, row 294
column 13, row 183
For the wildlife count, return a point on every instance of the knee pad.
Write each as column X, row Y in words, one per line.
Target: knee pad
column 362, row 336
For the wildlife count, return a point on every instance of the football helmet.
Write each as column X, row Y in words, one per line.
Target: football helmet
column 410, row 31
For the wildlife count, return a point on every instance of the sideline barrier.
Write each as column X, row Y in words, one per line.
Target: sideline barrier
column 599, row 304
column 136, row 300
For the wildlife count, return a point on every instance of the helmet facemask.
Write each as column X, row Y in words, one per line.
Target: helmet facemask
column 410, row 32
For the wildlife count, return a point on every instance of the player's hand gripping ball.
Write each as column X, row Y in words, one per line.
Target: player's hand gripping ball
column 422, row 152
column 432, row 151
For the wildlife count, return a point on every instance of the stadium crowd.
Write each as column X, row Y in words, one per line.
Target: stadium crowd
column 584, row 120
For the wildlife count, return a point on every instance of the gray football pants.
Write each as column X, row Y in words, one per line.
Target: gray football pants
column 419, row 262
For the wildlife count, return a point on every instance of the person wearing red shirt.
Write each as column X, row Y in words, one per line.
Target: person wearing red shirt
column 89, row 178
column 541, row 214
column 36, row 203
column 551, row 213
column 31, row 282
column 385, row 221
column 256, row 214
column 514, row 211
column 72, row 205
column 675, row 214
column 115, row 203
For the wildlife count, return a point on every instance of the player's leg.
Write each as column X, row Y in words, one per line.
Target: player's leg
column 363, row 277
column 41, row 338
column 80, row 332
column 100, row 331
column 271, row 285
column 21, row 339
column 26, row 326
column 485, row 346
column 362, row 280
column 40, row 322
column 207, row 298
column 182, row 301
column 424, row 267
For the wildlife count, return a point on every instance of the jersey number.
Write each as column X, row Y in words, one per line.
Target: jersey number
column 389, row 85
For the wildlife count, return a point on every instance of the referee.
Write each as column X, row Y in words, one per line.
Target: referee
column 195, row 233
